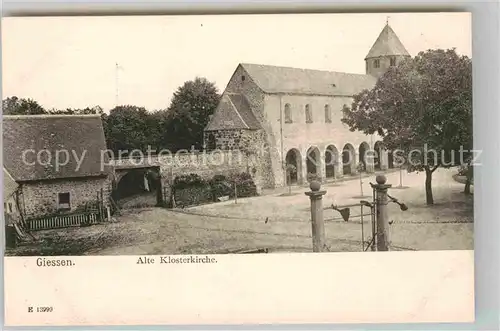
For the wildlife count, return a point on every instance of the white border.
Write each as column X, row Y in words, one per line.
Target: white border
column 486, row 120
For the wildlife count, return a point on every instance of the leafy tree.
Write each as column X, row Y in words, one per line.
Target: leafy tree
column 21, row 106
column 423, row 105
column 128, row 128
column 188, row 114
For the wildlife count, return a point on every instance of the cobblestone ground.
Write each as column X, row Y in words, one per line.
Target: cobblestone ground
column 280, row 222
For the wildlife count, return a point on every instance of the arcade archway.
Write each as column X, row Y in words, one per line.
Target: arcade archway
column 312, row 163
column 293, row 169
column 363, row 156
column 331, row 161
column 348, row 159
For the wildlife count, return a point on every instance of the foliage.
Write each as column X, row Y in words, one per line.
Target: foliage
column 20, row 106
column 221, row 186
column 189, row 180
column 245, row 186
column 422, row 105
column 191, row 189
column 96, row 110
column 129, row 128
column 188, row 114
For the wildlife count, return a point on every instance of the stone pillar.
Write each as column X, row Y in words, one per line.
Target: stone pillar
column 383, row 159
column 382, row 216
column 317, row 222
column 304, row 169
column 370, row 161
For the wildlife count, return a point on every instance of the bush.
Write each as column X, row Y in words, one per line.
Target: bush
column 245, row 185
column 191, row 180
column 192, row 196
column 221, row 186
column 191, row 190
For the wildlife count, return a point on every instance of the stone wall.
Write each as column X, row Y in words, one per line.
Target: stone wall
column 227, row 139
column 41, row 198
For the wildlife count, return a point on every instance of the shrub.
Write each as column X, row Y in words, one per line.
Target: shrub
column 220, row 186
column 190, row 180
column 245, row 185
column 191, row 189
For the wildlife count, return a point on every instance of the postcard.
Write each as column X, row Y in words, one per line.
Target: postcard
column 238, row 169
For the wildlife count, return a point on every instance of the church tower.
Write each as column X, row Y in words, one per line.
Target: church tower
column 387, row 51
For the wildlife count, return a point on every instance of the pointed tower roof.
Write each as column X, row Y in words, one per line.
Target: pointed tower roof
column 386, row 44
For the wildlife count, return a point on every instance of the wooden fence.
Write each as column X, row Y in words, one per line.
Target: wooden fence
column 63, row 221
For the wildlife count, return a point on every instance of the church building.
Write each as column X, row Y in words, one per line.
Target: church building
column 291, row 118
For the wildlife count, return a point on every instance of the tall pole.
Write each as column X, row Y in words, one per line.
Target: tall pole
column 361, row 183
column 400, row 176
column 317, row 222
column 382, row 215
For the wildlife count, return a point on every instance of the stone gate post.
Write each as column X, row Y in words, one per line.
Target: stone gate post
column 382, row 216
column 317, row 222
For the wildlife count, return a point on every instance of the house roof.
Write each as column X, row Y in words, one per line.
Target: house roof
column 9, row 184
column 78, row 135
column 274, row 79
column 386, row 44
column 233, row 112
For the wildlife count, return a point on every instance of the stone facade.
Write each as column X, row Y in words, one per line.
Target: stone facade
column 300, row 118
column 41, row 198
column 226, row 139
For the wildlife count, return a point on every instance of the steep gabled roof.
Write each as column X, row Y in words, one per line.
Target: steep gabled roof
column 387, row 44
column 274, row 79
column 233, row 112
column 80, row 135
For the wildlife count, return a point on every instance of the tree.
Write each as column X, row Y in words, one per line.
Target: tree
column 189, row 113
column 128, row 128
column 422, row 109
column 96, row 110
column 20, row 106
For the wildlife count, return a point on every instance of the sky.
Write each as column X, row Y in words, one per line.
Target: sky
column 71, row 62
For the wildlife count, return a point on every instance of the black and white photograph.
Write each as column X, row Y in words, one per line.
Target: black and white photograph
column 299, row 133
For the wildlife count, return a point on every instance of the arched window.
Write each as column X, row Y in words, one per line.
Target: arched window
column 328, row 114
column 288, row 113
column 342, row 110
column 309, row 118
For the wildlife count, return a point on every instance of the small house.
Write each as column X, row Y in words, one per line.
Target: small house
column 54, row 163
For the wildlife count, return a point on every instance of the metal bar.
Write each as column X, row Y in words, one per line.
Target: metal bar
column 362, row 230
column 374, row 213
column 340, row 218
column 346, row 206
